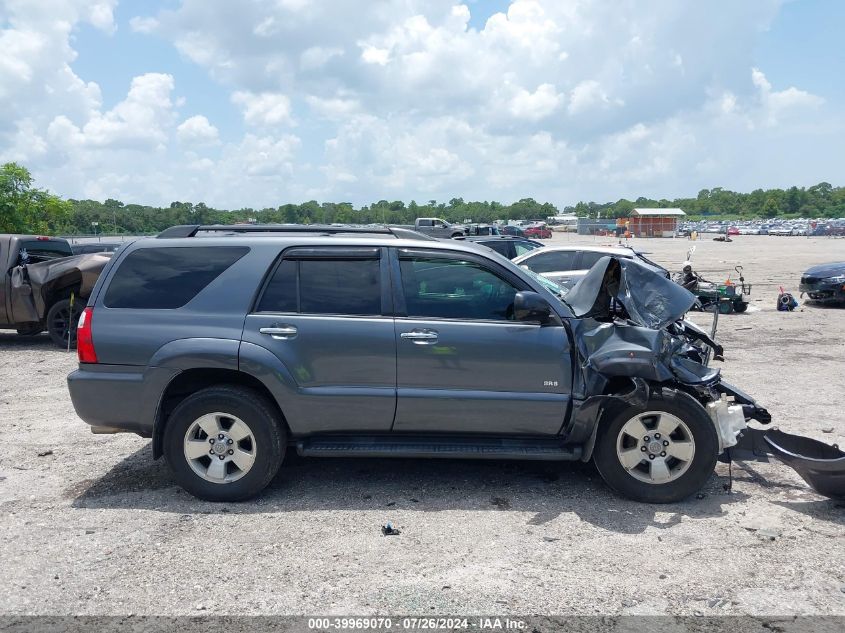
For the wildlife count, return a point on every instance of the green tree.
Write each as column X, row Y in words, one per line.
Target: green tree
column 26, row 209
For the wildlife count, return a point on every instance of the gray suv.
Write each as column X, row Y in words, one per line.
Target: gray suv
column 226, row 345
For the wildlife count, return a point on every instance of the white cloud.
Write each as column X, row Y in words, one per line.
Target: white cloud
column 554, row 100
column 140, row 121
column 537, row 105
column 140, row 24
column 263, row 109
column 318, row 56
column 197, row 130
column 586, row 96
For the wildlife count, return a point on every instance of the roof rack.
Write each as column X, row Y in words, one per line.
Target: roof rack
column 191, row 230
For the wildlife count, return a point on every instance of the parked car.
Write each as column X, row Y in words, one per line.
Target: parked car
column 95, row 247
column 824, row 283
column 508, row 245
column 481, row 230
column 732, row 230
column 372, row 342
column 566, row 265
column 40, row 275
column 437, row 227
column 512, row 229
column 538, row 231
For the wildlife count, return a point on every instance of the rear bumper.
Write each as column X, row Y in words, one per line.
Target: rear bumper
column 118, row 397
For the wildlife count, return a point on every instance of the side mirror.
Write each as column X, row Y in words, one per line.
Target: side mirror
column 529, row 306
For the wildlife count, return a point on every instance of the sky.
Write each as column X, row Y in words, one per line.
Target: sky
column 260, row 103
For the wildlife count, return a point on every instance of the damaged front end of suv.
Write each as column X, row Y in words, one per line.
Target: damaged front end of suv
column 637, row 353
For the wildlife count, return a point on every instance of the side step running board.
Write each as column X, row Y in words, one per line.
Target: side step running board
column 437, row 447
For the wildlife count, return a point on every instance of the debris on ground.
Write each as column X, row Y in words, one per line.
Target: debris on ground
column 828, row 429
column 769, row 534
column 45, row 453
column 388, row 530
column 786, row 302
column 501, row 503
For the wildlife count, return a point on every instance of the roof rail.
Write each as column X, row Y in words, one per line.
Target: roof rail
column 191, row 230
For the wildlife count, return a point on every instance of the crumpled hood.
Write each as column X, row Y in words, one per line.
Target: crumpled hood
column 89, row 266
column 650, row 299
column 33, row 284
column 827, row 270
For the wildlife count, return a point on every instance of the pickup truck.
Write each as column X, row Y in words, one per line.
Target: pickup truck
column 436, row 227
column 40, row 274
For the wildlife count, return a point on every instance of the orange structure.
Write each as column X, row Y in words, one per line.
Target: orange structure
column 654, row 222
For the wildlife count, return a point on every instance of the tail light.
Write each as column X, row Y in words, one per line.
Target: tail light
column 84, row 339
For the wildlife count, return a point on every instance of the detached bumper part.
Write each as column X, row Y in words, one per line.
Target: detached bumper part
column 821, row 465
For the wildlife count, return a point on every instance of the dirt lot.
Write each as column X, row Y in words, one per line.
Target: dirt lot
column 91, row 525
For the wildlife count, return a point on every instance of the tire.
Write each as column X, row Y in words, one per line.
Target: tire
column 61, row 322
column 229, row 409
column 726, row 307
column 30, row 329
column 740, row 306
column 645, row 480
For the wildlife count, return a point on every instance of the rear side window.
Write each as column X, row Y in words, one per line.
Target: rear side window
column 589, row 259
column 168, row 278
column 524, row 247
column 551, row 262
column 500, row 246
column 330, row 286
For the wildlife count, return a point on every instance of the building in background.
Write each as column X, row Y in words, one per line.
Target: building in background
column 654, row 222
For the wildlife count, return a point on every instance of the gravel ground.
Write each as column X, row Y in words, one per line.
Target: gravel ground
column 91, row 525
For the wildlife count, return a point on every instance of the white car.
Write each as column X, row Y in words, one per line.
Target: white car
column 565, row 265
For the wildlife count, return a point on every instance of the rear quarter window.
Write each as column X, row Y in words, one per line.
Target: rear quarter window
column 167, row 278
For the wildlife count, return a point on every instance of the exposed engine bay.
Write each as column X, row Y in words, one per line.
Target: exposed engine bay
column 632, row 338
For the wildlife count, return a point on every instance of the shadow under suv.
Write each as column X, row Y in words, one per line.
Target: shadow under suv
column 227, row 344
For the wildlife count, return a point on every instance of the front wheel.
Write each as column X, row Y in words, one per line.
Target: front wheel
column 224, row 443
column 661, row 454
column 62, row 319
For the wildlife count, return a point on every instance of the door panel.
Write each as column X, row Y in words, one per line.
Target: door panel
column 482, row 378
column 463, row 364
column 344, row 367
column 325, row 313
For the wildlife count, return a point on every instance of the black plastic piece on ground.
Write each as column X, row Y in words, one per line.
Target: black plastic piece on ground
column 821, row 465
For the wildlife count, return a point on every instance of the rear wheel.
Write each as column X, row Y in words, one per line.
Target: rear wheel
column 224, row 443
column 740, row 306
column 62, row 320
column 660, row 454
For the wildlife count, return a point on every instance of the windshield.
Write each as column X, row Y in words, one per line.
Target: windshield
column 42, row 250
column 547, row 283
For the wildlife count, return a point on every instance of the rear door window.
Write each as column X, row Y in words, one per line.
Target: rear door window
column 551, row 261
column 168, row 278
column 589, row 259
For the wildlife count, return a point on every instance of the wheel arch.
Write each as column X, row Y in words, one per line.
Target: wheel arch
column 190, row 381
column 619, row 392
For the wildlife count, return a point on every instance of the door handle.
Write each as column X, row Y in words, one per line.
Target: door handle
column 280, row 333
column 420, row 337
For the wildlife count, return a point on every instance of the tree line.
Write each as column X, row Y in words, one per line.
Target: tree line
column 25, row 208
